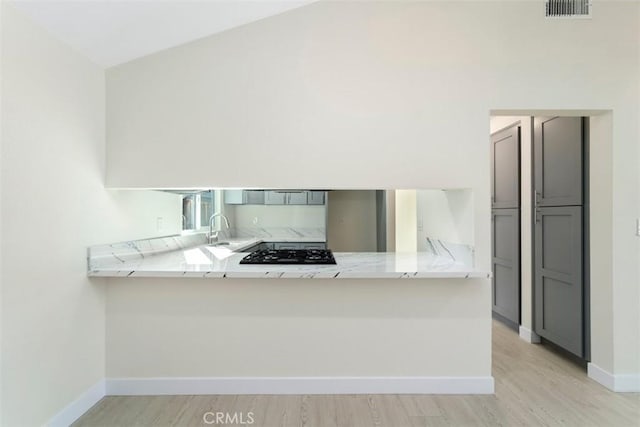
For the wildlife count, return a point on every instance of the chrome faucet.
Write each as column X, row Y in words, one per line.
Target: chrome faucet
column 214, row 237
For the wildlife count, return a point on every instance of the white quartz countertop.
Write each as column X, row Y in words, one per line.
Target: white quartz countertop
column 206, row 261
column 190, row 256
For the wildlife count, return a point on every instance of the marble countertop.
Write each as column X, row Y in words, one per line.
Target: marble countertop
column 222, row 262
column 190, row 256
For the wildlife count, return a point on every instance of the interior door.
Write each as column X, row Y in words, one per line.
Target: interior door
column 558, row 232
column 505, row 214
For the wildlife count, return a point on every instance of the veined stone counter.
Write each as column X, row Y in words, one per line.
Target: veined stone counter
column 191, row 257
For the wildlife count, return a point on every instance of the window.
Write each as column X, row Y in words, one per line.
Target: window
column 197, row 208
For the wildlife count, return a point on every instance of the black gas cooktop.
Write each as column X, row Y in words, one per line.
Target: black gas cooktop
column 286, row 256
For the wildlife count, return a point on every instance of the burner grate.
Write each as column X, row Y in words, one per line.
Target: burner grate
column 287, row 256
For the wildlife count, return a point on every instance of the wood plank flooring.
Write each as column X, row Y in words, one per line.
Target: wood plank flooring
column 534, row 387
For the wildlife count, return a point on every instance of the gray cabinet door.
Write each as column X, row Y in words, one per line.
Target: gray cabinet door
column 253, row 197
column 558, row 161
column 297, row 198
column 505, row 168
column 506, row 263
column 558, row 288
column 558, row 232
column 275, row 198
column 299, row 245
column 315, row 197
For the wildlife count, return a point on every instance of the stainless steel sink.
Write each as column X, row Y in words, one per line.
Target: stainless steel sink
column 219, row 244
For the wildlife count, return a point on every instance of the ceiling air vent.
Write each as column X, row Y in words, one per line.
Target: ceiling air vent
column 568, row 8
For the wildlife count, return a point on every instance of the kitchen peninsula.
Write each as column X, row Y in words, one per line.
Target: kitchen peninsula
column 185, row 317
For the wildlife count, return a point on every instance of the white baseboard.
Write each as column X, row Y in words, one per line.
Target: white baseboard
column 619, row 383
column 300, row 385
column 528, row 335
column 82, row 404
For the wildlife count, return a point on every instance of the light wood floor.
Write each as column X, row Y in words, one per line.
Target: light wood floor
column 534, row 386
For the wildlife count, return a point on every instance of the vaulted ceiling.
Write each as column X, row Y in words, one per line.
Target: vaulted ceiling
column 114, row 32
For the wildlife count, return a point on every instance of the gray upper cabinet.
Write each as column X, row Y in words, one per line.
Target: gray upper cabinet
column 275, row 198
column 315, row 197
column 558, row 161
column 505, row 176
column 254, row 197
column 292, row 197
column 297, row 198
column 244, row 197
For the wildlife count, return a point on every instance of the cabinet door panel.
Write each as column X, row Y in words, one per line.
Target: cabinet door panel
column 558, row 161
column 505, row 168
column 315, row 197
column 275, row 198
column 506, row 263
column 297, row 198
column 558, row 288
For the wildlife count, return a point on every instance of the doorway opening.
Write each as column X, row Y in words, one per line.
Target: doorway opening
column 541, row 242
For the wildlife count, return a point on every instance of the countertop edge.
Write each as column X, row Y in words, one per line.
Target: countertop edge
column 289, row 275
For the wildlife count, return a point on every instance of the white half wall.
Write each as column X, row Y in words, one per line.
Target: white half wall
column 177, row 328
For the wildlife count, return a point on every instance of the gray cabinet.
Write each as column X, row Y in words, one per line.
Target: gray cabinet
column 505, row 171
column 297, row 198
column 558, row 161
column 244, row 197
column 315, row 197
column 506, row 263
column 274, row 197
column 283, row 197
column 558, row 286
column 254, row 197
column 286, row 245
column 300, row 245
column 505, row 216
column 560, row 290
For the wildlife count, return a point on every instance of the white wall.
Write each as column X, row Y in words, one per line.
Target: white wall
column 135, row 214
column 1, row 203
column 372, row 85
column 279, row 216
column 603, row 313
column 53, row 206
column 351, row 224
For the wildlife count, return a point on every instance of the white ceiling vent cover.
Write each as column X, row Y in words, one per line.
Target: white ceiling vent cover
column 568, row 9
